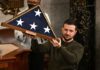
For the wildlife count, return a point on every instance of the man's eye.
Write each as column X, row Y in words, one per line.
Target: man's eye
column 71, row 30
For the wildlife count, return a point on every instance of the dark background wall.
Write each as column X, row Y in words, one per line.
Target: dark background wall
column 84, row 12
column 97, row 57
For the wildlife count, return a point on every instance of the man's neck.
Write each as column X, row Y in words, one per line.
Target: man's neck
column 68, row 41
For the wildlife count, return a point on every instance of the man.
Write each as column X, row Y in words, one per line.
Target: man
column 65, row 52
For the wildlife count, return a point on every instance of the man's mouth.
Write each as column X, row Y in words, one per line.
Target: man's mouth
column 67, row 38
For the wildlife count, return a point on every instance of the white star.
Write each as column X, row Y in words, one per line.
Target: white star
column 19, row 22
column 33, row 26
column 47, row 29
column 37, row 13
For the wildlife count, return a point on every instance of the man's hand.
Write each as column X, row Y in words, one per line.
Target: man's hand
column 56, row 42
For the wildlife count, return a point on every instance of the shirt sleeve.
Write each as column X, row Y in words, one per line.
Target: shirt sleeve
column 72, row 55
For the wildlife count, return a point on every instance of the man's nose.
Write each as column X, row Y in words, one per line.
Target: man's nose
column 67, row 32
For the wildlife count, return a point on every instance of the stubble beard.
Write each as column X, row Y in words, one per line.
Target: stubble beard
column 67, row 39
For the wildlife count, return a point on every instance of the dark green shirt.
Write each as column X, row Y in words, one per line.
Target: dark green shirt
column 65, row 58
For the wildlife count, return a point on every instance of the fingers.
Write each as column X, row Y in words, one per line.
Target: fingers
column 59, row 40
column 56, row 42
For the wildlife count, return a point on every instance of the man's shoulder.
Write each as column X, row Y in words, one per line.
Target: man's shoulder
column 77, row 44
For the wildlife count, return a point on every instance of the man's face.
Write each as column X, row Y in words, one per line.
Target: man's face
column 69, row 31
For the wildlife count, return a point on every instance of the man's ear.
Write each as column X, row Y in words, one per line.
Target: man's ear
column 76, row 31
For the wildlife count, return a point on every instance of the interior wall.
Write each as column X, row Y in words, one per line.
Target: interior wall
column 58, row 12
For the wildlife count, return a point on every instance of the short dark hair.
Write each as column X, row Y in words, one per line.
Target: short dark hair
column 71, row 21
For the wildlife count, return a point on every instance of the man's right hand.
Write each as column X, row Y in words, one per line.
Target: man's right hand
column 56, row 42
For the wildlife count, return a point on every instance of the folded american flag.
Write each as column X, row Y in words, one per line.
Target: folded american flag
column 33, row 20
